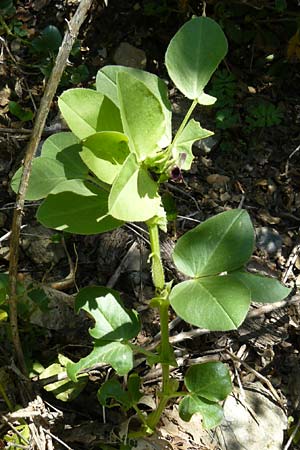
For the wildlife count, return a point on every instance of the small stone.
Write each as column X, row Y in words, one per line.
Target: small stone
column 217, row 179
column 37, row 243
column 208, row 144
column 130, row 56
column 225, row 197
column 268, row 239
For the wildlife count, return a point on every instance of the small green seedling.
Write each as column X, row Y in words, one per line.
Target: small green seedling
column 108, row 171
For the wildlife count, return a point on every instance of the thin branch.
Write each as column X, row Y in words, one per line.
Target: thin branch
column 60, row 64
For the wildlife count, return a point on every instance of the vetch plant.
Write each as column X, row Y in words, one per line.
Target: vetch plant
column 108, row 171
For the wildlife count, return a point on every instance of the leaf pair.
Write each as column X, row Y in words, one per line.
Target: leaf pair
column 213, row 254
column 114, row 327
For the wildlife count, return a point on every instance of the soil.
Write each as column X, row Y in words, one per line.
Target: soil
column 257, row 169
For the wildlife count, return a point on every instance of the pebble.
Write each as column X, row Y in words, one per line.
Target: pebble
column 130, row 56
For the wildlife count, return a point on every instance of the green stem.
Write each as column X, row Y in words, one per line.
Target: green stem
column 158, row 275
column 184, row 122
column 165, row 351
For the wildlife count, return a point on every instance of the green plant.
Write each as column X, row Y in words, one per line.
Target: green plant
column 263, row 114
column 108, row 171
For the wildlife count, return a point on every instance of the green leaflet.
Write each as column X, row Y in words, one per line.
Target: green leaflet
column 193, row 55
column 133, row 196
column 104, row 154
column 141, row 114
column 106, row 83
column 217, row 303
column 87, row 112
column 222, row 243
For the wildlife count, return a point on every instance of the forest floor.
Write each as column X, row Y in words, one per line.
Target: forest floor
column 252, row 161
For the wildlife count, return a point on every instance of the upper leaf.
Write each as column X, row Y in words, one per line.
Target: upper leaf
column 112, row 320
column 79, row 208
column 87, row 111
column 104, row 154
column 191, row 133
column 142, row 116
column 193, row 55
column 222, row 243
column 133, row 196
column 262, row 289
column 217, row 303
column 106, row 83
column 210, row 380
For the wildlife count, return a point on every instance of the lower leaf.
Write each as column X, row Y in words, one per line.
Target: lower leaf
column 117, row 354
column 77, row 212
column 212, row 413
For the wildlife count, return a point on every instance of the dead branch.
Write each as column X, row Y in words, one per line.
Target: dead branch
column 60, row 63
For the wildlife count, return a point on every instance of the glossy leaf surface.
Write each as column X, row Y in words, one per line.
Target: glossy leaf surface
column 222, row 243
column 193, row 55
column 217, row 303
column 133, row 195
column 104, row 154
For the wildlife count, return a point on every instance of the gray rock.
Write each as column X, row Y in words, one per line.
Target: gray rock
column 37, row 244
column 130, row 56
column 268, row 239
column 252, row 422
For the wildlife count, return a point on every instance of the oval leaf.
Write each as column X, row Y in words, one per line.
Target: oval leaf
column 112, row 320
column 46, row 174
column 193, row 55
column 262, row 289
column 64, row 148
column 216, row 303
column 104, row 153
column 212, row 413
column 133, row 195
column 210, row 380
column 87, row 111
column 77, row 212
column 141, row 114
column 106, row 82
column 222, row 243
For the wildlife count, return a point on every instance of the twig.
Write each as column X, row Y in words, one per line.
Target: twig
column 258, row 375
column 37, row 131
column 286, row 171
column 295, row 431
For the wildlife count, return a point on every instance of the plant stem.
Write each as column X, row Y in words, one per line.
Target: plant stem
column 158, row 276
column 165, row 351
column 184, row 122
